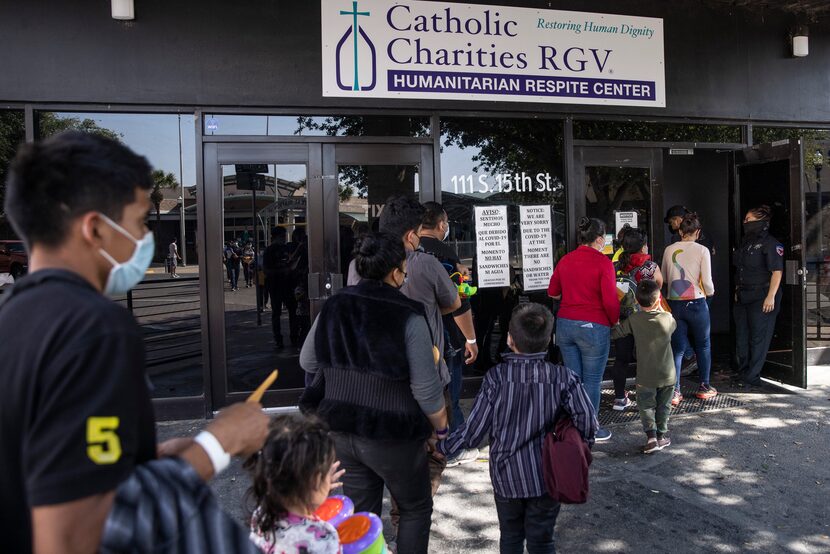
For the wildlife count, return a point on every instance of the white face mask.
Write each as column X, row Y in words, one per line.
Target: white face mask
column 124, row 276
column 447, row 232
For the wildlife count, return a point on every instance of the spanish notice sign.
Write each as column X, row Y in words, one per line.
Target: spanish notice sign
column 492, row 246
column 437, row 50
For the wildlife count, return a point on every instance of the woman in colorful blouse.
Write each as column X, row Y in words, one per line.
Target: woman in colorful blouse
column 687, row 269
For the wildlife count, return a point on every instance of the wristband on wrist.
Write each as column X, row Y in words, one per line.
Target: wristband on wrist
column 471, row 341
column 214, row 450
column 442, row 432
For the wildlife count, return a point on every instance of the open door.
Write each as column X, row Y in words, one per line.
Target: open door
column 772, row 174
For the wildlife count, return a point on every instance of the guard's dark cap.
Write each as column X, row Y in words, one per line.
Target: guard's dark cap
column 675, row 211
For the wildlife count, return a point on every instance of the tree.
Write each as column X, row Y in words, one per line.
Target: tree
column 13, row 133
column 354, row 180
column 161, row 181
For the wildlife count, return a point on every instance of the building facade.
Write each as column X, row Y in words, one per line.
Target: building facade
column 306, row 116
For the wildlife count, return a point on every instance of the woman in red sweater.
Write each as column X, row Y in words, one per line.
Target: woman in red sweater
column 584, row 280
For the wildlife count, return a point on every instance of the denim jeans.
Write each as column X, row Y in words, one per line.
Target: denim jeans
column 690, row 350
column 531, row 519
column 692, row 317
column 584, row 347
column 233, row 274
column 455, row 362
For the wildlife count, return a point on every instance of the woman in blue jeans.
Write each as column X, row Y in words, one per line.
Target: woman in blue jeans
column 687, row 273
column 584, row 280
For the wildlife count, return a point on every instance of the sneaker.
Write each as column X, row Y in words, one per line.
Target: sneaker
column 676, row 398
column 663, row 442
column 705, row 392
column 653, row 445
column 602, row 435
column 621, row 404
column 465, row 457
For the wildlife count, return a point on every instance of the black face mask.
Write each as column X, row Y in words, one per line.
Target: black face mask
column 753, row 228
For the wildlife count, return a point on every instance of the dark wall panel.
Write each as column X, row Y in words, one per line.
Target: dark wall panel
column 701, row 183
column 267, row 53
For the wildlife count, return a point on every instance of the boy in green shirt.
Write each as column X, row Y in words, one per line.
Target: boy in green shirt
column 652, row 330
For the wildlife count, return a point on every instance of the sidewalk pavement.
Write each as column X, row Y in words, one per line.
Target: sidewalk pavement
column 749, row 479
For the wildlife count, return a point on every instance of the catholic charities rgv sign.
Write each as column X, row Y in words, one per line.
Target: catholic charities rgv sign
column 416, row 49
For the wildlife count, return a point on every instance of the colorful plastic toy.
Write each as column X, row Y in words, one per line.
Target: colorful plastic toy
column 362, row 534
column 336, row 509
column 461, row 281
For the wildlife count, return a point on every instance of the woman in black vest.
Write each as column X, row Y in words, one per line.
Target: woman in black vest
column 377, row 386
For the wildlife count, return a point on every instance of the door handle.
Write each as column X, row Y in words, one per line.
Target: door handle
column 335, row 282
column 314, row 286
column 792, row 272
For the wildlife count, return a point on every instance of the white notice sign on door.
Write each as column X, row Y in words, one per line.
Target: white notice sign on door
column 537, row 246
column 625, row 218
column 492, row 246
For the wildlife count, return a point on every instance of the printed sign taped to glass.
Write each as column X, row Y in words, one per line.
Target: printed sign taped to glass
column 382, row 49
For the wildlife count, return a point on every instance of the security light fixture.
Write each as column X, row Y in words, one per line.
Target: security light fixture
column 800, row 42
column 123, row 10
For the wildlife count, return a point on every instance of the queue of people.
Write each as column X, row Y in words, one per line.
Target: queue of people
column 82, row 471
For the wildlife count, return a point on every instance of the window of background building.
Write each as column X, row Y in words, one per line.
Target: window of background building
column 501, row 162
column 311, row 125
column 167, row 308
column 656, row 132
column 816, row 148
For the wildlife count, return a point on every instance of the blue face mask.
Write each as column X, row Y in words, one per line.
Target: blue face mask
column 124, row 276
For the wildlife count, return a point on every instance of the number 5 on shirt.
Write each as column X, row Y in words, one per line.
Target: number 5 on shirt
column 103, row 444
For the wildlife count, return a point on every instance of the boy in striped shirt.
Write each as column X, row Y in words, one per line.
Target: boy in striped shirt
column 519, row 400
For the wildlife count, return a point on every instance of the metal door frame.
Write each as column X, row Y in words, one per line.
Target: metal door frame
column 215, row 156
column 791, row 151
column 335, row 155
column 321, row 160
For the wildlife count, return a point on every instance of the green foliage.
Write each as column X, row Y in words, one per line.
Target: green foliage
column 51, row 123
column 656, row 132
column 162, row 181
column 510, row 146
column 13, row 133
column 354, row 179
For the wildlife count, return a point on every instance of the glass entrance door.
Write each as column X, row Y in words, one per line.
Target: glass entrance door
column 363, row 178
column 265, row 257
column 282, row 220
column 620, row 186
column 772, row 174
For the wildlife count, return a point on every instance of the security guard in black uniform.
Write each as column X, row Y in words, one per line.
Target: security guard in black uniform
column 759, row 265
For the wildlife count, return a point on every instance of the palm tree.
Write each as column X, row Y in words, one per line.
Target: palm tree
column 161, row 181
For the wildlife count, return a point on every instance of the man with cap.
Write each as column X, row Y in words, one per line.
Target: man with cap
column 673, row 218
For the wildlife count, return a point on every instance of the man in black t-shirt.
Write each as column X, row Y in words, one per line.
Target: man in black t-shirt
column 75, row 411
column 460, row 335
